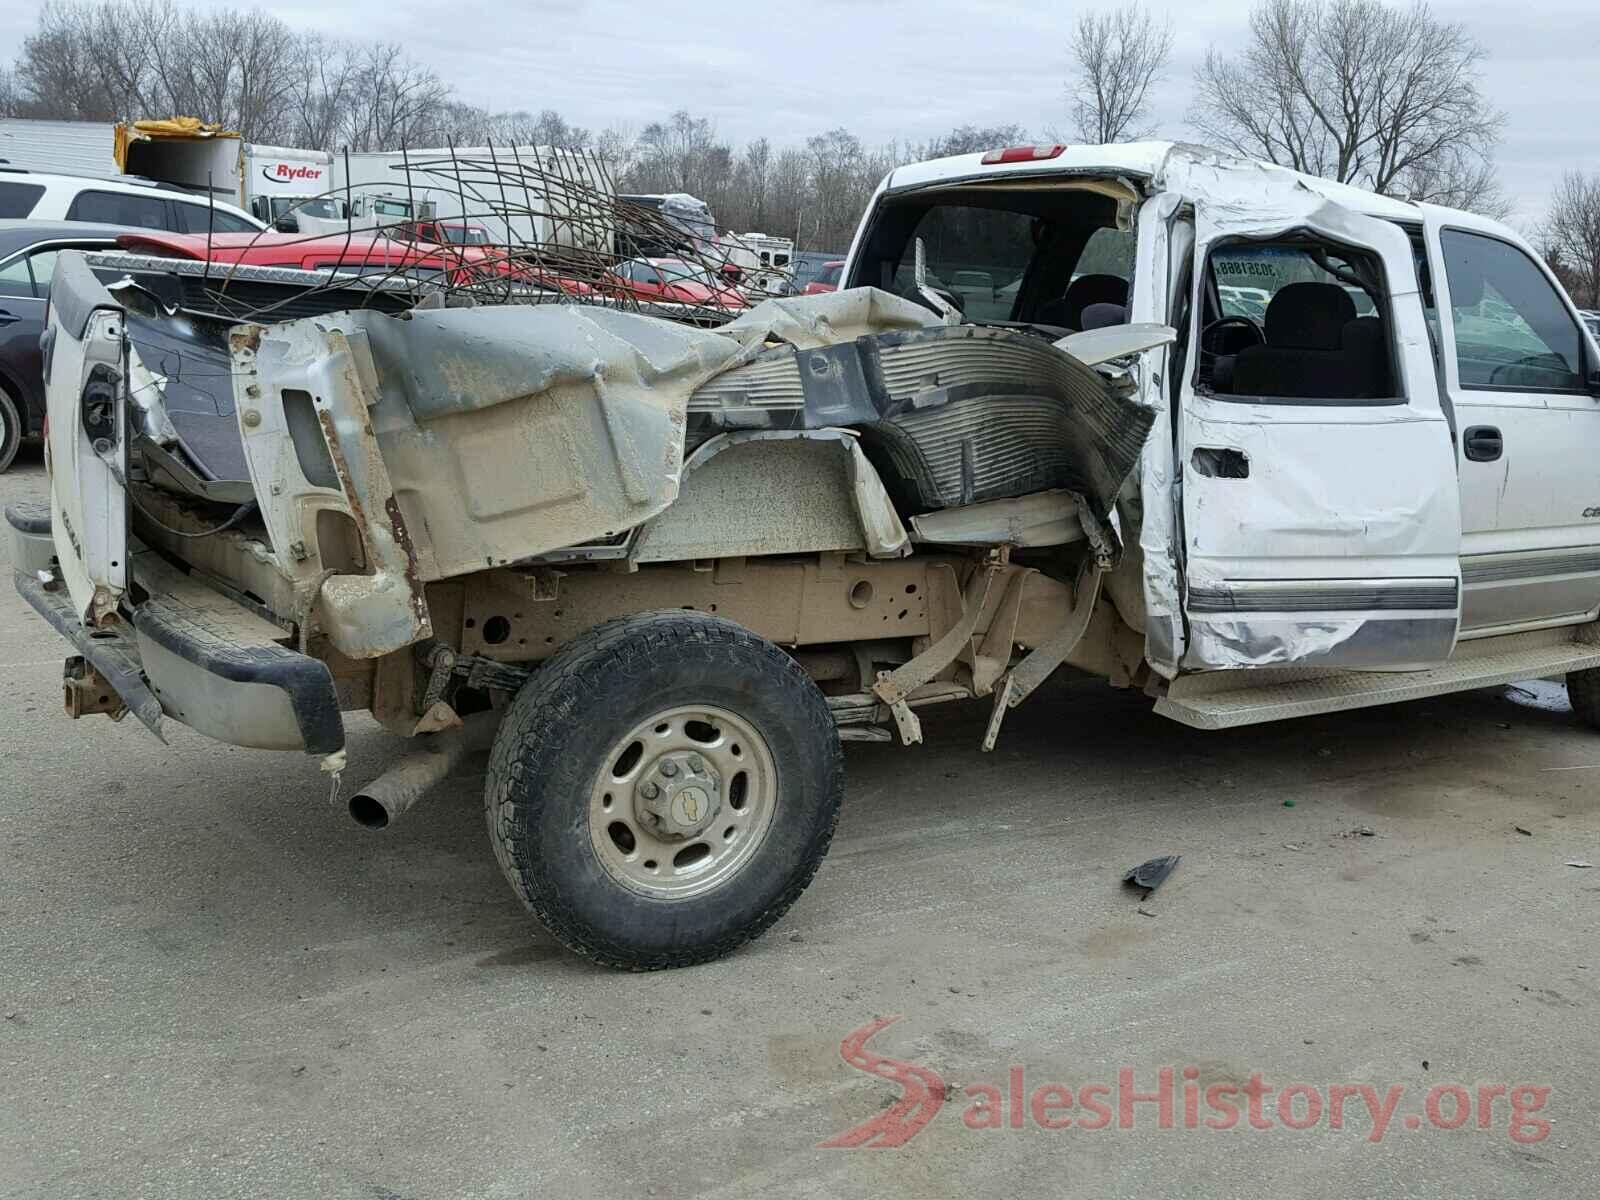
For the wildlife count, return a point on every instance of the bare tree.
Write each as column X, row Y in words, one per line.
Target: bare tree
column 320, row 93
column 58, row 69
column 394, row 101
column 1571, row 235
column 1456, row 178
column 1354, row 90
column 10, row 95
column 967, row 139
column 1118, row 56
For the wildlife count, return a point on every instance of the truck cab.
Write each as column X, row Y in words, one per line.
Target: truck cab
column 1330, row 479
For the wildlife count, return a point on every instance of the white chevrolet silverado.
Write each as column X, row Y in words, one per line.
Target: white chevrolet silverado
column 1256, row 444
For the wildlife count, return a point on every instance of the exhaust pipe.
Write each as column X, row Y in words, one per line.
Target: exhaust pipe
column 415, row 773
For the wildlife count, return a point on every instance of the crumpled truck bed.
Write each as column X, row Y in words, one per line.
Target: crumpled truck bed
column 459, row 439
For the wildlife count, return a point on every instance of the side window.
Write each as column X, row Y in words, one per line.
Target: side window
column 193, row 218
column 121, row 208
column 14, row 277
column 1512, row 330
column 43, row 265
column 18, row 199
column 1297, row 320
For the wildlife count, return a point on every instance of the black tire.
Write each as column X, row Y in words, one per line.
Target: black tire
column 10, row 429
column 1583, row 690
column 562, row 730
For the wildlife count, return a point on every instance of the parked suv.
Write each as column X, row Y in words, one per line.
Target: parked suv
column 126, row 202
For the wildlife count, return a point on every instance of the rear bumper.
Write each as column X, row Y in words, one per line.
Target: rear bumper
column 32, row 549
column 196, row 656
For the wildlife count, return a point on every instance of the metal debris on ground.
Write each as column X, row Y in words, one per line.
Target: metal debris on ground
column 1152, row 874
column 1581, row 864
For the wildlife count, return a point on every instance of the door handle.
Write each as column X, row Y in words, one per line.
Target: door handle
column 1482, row 443
column 8, row 318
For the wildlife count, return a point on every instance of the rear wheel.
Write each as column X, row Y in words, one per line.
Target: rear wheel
column 1583, row 690
column 10, row 429
column 663, row 789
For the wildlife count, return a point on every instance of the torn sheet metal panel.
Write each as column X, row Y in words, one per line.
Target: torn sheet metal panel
column 315, row 376
column 1338, row 497
column 747, row 494
column 807, row 322
column 516, row 430
column 1164, row 245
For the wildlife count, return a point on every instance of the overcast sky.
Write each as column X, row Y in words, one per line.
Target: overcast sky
column 902, row 69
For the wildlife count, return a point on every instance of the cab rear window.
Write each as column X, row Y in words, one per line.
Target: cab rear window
column 18, row 199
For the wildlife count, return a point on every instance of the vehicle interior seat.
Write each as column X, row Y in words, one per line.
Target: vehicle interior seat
column 1367, row 359
column 1083, row 291
column 1304, row 349
column 1099, row 316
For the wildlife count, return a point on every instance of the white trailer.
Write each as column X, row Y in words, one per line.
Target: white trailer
column 182, row 152
column 59, row 147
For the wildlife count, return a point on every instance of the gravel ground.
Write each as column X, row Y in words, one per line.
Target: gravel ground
column 215, row 985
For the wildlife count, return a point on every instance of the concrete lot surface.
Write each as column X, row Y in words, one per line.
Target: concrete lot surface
column 213, row 984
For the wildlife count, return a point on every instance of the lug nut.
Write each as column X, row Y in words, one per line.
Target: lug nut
column 695, row 762
column 669, row 769
column 650, row 791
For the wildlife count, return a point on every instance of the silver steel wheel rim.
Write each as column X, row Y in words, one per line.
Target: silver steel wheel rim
column 682, row 802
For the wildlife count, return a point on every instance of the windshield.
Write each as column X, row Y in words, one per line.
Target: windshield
column 465, row 235
column 830, row 274
column 282, row 206
column 676, row 271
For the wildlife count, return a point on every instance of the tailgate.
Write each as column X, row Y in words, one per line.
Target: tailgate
column 86, row 451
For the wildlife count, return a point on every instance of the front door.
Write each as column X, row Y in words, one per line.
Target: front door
column 1515, row 359
column 1320, row 517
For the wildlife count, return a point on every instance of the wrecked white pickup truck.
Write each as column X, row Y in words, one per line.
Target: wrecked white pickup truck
column 1238, row 438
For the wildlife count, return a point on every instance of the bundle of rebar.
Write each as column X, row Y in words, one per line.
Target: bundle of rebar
column 550, row 228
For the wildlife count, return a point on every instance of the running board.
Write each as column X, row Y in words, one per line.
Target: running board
column 1225, row 699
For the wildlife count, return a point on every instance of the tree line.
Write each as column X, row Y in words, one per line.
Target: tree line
column 1387, row 96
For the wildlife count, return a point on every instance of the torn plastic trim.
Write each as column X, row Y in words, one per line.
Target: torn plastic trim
column 963, row 414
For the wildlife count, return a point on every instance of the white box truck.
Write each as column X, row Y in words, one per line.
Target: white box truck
column 291, row 189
